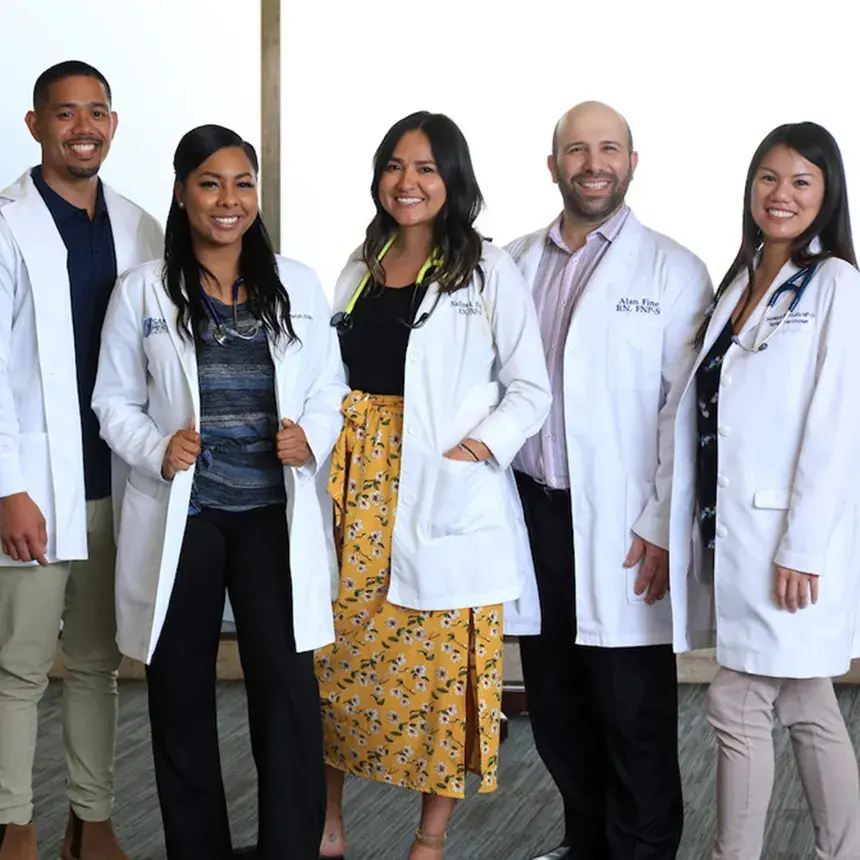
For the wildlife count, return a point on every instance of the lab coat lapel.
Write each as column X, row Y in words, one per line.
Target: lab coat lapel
column 125, row 225
column 615, row 270
column 720, row 315
column 46, row 258
column 750, row 326
column 727, row 304
column 530, row 260
column 725, row 308
column 185, row 349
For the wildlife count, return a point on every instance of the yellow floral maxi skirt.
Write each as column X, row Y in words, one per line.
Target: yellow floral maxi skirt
column 410, row 698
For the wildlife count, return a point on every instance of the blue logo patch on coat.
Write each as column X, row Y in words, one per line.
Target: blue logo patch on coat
column 154, row 325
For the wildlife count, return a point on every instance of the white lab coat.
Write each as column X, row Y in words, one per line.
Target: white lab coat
column 40, row 440
column 474, row 369
column 628, row 343
column 787, row 487
column 147, row 389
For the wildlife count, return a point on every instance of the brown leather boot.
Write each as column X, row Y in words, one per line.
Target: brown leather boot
column 17, row 842
column 90, row 840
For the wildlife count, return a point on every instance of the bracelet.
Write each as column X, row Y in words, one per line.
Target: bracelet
column 468, row 450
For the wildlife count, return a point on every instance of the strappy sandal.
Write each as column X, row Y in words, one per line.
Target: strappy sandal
column 421, row 838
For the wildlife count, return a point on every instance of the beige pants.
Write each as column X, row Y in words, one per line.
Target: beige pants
column 741, row 709
column 33, row 602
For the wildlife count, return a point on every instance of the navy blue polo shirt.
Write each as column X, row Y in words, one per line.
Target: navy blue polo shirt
column 92, row 274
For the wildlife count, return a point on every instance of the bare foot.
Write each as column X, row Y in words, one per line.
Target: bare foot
column 333, row 842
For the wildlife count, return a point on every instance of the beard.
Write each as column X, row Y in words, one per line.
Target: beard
column 83, row 172
column 90, row 169
column 595, row 208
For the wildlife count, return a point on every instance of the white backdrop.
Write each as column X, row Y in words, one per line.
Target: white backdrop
column 172, row 65
column 700, row 83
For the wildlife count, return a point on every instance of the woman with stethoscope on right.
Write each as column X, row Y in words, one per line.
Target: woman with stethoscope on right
column 764, row 527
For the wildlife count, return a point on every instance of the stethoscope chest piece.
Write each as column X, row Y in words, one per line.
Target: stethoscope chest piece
column 222, row 332
column 342, row 322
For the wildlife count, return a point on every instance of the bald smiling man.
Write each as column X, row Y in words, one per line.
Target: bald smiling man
column 618, row 305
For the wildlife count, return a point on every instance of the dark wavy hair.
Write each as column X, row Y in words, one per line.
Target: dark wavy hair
column 832, row 225
column 267, row 298
column 459, row 243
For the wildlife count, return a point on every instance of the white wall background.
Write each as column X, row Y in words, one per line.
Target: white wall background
column 701, row 84
column 172, row 65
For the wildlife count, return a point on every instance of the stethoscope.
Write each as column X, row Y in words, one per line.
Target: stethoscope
column 796, row 285
column 342, row 321
column 222, row 330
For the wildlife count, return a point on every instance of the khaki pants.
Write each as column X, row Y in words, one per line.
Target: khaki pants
column 33, row 602
column 741, row 709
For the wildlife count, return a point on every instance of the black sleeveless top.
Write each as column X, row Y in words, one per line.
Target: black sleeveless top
column 374, row 349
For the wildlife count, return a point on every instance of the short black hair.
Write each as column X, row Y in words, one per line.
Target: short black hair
column 66, row 69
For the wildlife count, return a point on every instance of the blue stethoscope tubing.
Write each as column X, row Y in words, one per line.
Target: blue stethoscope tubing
column 796, row 285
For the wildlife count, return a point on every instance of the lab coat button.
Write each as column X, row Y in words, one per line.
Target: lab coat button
column 412, row 430
column 724, row 430
column 408, row 498
column 415, row 355
column 721, row 531
column 722, row 481
column 725, row 380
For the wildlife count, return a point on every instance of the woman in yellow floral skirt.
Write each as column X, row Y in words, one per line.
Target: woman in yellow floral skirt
column 445, row 362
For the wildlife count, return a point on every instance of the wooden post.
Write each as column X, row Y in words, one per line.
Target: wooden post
column 270, row 127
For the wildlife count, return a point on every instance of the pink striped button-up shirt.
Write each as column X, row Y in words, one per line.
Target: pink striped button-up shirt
column 560, row 280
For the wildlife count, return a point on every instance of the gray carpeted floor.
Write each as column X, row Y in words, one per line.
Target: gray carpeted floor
column 516, row 822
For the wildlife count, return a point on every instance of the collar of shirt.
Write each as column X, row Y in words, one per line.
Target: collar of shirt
column 608, row 230
column 58, row 206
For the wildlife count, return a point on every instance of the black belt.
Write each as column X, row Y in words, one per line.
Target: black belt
column 546, row 490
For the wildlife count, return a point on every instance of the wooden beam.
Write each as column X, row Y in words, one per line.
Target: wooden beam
column 270, row 127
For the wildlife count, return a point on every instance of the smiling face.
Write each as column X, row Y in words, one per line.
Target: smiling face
column 787, row 194
column 220, row 197
column 411, row 189
column 74, row 126
column 592, row 163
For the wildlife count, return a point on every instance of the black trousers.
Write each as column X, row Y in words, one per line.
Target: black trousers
column 605, row 720
column 244, row 554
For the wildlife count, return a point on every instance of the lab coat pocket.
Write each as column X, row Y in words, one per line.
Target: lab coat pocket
column 635, row 354
column 138, row 555
column 774, row 500
column 465, row 499
column 637, row 494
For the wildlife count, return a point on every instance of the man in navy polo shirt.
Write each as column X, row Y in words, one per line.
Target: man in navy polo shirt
column 64, row 237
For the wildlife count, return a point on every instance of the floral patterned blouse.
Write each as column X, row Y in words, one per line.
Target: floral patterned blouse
column 707, row 397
